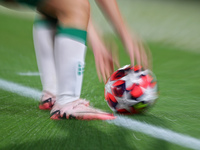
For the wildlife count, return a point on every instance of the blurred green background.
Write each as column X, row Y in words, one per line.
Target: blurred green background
column 171, row 30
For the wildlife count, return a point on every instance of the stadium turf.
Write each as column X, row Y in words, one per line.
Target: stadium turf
column 24, row 126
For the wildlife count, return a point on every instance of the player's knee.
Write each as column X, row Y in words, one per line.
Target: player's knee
column 76, row 15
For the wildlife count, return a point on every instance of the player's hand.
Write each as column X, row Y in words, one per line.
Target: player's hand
column 105, row 61
column 133, row 46
column 137, row 53
column 103, row 57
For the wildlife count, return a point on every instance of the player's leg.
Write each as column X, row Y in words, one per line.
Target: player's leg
column 70, row 50
column 70, row 46
column 43, row 36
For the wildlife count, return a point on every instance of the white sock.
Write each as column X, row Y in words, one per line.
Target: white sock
column 43, row 35
column 70, row 55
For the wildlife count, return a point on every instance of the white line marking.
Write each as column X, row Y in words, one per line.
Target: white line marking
column 157, row 132
column 20, row 89
column 131, row 124
column 28, row 73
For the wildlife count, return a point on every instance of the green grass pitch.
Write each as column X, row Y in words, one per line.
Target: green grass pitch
column 24, row 126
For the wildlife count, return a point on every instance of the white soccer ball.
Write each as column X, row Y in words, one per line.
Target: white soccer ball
column 131, row 90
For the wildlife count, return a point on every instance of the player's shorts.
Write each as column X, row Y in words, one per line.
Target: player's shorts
column 31, row 3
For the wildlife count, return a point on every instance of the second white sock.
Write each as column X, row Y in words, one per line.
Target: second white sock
column 43, row 35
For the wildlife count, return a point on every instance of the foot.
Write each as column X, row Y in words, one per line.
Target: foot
column 47, row 101
column 80, row 110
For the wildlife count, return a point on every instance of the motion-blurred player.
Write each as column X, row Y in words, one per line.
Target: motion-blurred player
column 67, row 40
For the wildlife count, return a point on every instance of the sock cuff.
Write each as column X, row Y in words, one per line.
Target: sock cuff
column 76, row 34
column 46, row 22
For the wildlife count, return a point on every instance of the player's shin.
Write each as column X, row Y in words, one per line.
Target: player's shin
column 69, row 55
column 43, row 35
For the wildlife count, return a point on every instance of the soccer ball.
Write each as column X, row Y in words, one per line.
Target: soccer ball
column 131, row 90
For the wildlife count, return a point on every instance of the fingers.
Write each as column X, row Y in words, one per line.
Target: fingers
column 116, row 60
column 114, row 55
column 109, row 65
column 103, row 68
column 104, row 64
column 98, row 70
column 140, row 54
column 110, row 59
column 106, row 60
column 136, row 52
column 145, row 56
